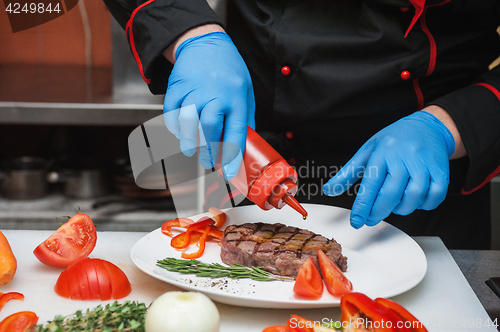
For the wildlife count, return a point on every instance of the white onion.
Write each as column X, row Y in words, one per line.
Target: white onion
column 182, row 312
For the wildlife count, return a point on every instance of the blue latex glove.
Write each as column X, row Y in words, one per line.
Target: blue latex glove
column 406, row 167
column 210, row 89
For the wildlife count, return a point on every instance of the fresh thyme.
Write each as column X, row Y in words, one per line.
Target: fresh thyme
column 127, row 316
column 216, row 270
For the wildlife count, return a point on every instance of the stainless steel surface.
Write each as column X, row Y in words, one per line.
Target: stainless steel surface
column 113, row 114
column 24, row 178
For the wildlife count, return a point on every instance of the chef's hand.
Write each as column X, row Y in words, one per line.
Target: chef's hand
column 210, row 89
column 406, row 167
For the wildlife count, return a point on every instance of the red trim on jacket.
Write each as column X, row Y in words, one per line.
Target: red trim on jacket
column 130, row 35
column 420, row 95
column 491, row 88
column 488, row 179
column 432, row 41
column 497, row 170
column 419, row 8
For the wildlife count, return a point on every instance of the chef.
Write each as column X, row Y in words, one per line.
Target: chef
column 387, row 107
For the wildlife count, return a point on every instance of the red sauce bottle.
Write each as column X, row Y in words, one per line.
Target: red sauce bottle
column 265, row 177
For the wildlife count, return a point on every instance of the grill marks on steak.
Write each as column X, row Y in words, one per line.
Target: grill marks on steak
column 280, row 249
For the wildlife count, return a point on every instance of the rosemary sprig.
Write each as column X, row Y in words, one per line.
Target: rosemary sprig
column 127, row 316
column 216, row 270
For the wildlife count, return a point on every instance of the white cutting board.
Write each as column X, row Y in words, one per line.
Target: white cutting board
column 36, row 280
column 443, row 301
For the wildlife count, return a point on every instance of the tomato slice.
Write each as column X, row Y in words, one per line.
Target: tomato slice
column 18, row 322
column 277, row 328
column 120, row 286
column 336, row 282
column 92, row 278
column 73, row 241
column 308, row 282
column 103, row 279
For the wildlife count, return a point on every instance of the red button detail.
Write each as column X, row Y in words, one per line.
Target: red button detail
column 405, row 74
column 285, row 70
column 404, row 9
column 289, row 134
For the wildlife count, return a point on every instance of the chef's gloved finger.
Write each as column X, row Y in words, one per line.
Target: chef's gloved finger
column 235, row 133
column 390, row 194
column 437, row 190
column 171, row 108
column 251, row 109
column 350, row 173
column 211, row 121
column 188, row 123
column 171, row 119
column 368, row 191
column 415, row 192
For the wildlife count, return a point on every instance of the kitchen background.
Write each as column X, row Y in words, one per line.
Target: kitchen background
column 70, row 94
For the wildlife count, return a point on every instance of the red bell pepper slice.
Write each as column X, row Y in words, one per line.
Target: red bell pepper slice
column 182, row 240
column 201, row 242
column 411, row 322
column 308, row 282
column 4, row 298
column 219, row 216
column 18, row 322
column 357, row 306
column 177, row 222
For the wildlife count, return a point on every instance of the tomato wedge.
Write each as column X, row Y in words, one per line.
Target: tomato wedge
column 18, row 322
column 336, row 282
column 277, row 328
column 308, row 282
column 73, row 241
column 92, row 279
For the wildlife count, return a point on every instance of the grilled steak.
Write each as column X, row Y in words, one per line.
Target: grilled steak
column 280, row 249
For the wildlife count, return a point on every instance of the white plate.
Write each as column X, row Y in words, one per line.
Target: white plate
column 382, row 260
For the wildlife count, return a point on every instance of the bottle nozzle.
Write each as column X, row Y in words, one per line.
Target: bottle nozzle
column 292, row 202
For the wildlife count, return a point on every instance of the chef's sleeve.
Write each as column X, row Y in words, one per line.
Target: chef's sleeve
column 152, row 26
column 476, row 112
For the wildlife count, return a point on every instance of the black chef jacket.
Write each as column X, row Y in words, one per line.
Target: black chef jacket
column 354, row 67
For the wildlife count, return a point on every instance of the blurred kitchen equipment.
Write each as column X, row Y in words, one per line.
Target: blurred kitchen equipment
column 24, row 178
column 82, row 177
column 124, row 182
